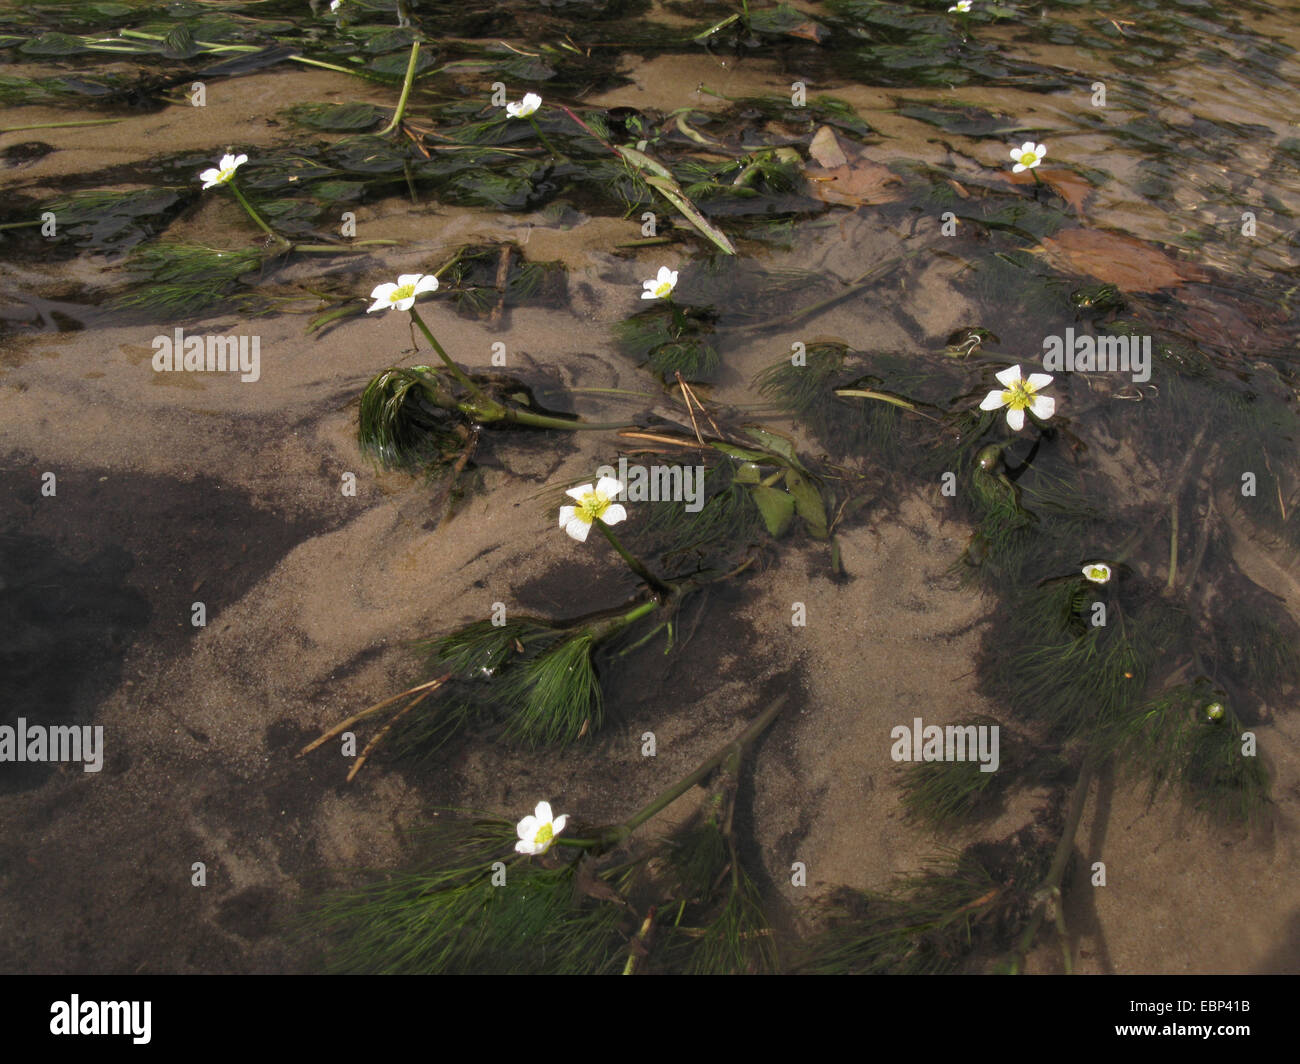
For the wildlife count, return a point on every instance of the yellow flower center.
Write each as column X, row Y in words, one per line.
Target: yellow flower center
column 663, row 289
column 1020, row 396
column 1028, row 158
column 1097, row 573
column 404, row 292
column 544, row 835
column 592, row 506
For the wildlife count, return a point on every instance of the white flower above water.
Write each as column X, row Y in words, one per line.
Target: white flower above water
column 1020, row 395
column 961, row 7
column 593, row 503
column 662, row 286
column 537, row 832
column 1097, row 572
column 1027, row 156
column 525, row 107
column 401, row 296
column 223, row 172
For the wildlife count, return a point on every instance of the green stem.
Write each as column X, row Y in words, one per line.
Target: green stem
column 1050, row 891
column 456, row 371
column 342, row 249
column 248, row 207
column 335, row 67
column 542, row 136
column 619, row 832
column 634, row 563
column 61, row 125
column 406, row 90
column 615, row 834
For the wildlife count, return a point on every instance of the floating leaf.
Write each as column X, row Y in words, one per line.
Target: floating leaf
column 1073, row 188
column 1131, row 264
column 659, row 178
column 826, row 151
column 776, row 506
column 808, row 503
column 855, row 184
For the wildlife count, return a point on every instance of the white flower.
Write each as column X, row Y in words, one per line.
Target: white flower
column 401, row 296
column 335, row 5
column 962, row 6
column 537, row 832
column 1097, row 572
column 1019, row 396
column 593, row 503
column 524, row 107
column 1027, row 156
column 662, row 286
column 222, row 173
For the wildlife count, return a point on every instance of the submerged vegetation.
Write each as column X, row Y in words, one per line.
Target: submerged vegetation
column 1128, row 633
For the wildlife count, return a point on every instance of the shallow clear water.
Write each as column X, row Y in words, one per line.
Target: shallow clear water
column 209, row 564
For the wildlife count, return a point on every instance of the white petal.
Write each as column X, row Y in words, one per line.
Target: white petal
column 531, row 102
column 1016, row 419
column 579, row 493
column 527, row 828
column 992, row 401
column 543, row 812
column 1017, row 152
column 560, row 821
column 578, row 529
column 1040, row 150
column 608, row 487
column 1039, row 380
column 383, row 291
column 405, row 304
column 1018, row 167
column 614, row 515
column 525, row 847
column 407, row 278
column 1008, row 376
column 428, row 283
column 1043, row 407
column 566, row 514
column 646, row 294
column 664, row 274
column 1026, row 146
column 379, row 304
column 210, row 177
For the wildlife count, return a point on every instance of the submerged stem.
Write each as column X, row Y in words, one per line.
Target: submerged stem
column 248, row 208
column 633, row 562
column 612, row 836
column 456, row 371
column 406, row 90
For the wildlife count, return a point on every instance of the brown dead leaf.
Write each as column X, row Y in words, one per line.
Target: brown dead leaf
column 1131, row 264
column 809, row 31
column 1072, row 188
column 825, row 149
column 854, row 184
